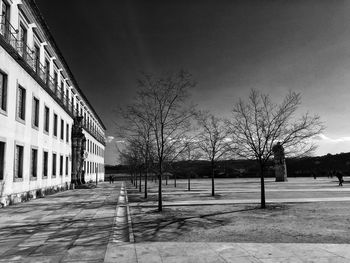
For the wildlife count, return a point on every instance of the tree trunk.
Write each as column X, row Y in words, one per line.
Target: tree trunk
column 160, row 203
column 146, row 175
column 140, row 184
column 189, row 182
column 166, row 180
column 262, row 183
column 135, row 180
column 212, row 179
column 174, row 180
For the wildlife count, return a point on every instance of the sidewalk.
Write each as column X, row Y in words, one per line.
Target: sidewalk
column 90, row 225
column 198, row 252
column 70, row 226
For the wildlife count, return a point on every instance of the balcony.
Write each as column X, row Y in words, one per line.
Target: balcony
column 20, row 51
column 37, row 70
column 93, row 132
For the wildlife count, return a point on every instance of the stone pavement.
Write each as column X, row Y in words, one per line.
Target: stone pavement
column 92, row 225
column 247, row 191
column 243, row 201
column 198, row 252
column 70, row 226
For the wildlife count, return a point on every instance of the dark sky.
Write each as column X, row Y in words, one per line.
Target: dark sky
column 228, row 46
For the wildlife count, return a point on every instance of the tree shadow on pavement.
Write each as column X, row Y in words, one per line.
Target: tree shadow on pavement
column 172, row 223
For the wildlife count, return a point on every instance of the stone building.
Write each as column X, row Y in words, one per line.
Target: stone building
column 45, row 119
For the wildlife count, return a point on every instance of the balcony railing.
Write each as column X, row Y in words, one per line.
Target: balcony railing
column 10, row 35
column 8, row 32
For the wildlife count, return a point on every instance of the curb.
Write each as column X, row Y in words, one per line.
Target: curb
column 131, row 231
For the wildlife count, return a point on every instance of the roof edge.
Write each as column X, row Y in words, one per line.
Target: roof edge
column 54, row 45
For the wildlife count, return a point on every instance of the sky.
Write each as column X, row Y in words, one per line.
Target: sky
column 230, row 47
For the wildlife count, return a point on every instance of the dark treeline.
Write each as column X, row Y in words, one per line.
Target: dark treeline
column 296, row 167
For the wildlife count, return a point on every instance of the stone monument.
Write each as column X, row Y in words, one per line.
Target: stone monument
column 280, row 163
column 78, row 149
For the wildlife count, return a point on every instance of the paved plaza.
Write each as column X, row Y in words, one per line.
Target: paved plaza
column 70, row 226
column 235, row 191
column 94, row 225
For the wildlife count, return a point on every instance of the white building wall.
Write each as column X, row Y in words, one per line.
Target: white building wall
column 95, row 159
column 13, row 131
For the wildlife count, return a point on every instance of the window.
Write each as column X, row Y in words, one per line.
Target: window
column 45, row 163
column 47, row 70
column 34, row 163
column 67, row 132
column 18, row 161
column 3, row 91
column 46, row 119
column 55, row 76
column 35, row 118
column 55, row 124
column 21, row 103
column 36, row 55
column 61, row 165
column 62, row 129
column 66, row 166
column 4, row 18
column 54, row 161
column 62, row 88
column 2, row 160
column 22, row 40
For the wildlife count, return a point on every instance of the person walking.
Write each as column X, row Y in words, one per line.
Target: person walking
column 339, row 175
column 110, row 179
column 313, row 173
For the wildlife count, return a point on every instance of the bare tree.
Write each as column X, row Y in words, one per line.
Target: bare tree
column 213, row 141
column 136, row 130
column 130, row 156
column 164, row 101
column 258, row 124
column 190, row 153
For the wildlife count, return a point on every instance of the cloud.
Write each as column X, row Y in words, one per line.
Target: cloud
column 110, row 139
column 325, row 138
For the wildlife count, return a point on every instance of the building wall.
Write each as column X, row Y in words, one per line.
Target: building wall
column 14, row 131
column 94, row 163
column 62, row 96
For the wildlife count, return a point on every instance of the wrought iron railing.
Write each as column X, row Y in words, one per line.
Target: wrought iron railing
column 10, row 35
column 41, row 72
column 8, row 32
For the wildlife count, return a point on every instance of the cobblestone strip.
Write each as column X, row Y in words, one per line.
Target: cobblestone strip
column 121, row 226
column 121, row 247
column 131, row 232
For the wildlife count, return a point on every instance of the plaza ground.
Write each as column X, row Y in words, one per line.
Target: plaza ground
column 70, row 226
column 234, row 214
column 92, row 225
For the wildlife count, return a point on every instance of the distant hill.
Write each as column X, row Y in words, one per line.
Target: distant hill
column 248, row 168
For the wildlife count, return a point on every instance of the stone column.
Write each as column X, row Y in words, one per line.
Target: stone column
column 78, row 150
column 280, row 163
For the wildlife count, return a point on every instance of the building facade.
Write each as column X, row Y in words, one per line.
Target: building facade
column 39, row 101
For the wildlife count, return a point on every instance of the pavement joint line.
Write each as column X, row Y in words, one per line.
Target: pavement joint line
column 244, row 201
column 206, row 191
column 128, row 212
column 215, row 252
